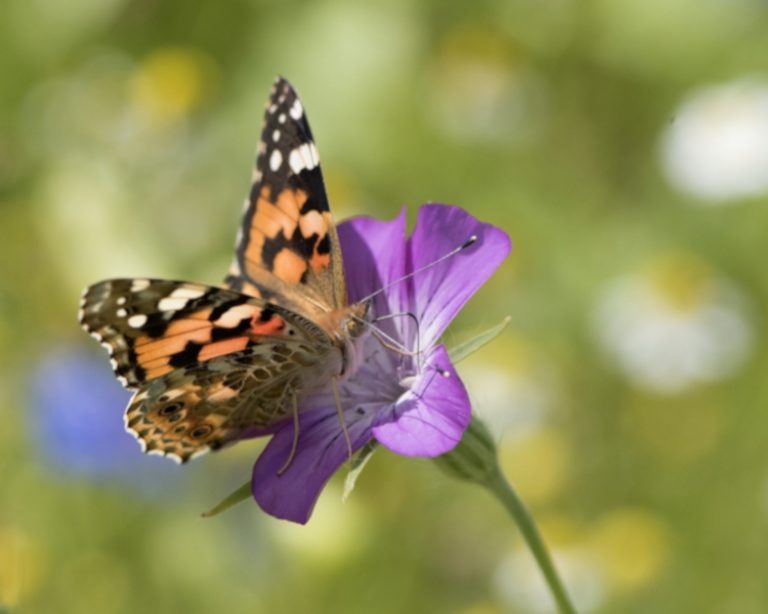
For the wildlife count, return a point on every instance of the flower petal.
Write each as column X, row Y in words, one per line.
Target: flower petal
column 440, row 292
column 321, row 451
column 374, row 255
column 430, row 418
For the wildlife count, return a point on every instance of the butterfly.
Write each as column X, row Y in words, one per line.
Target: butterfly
column 208, row 363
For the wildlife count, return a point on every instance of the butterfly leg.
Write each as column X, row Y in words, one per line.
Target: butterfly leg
column 295, row 444
column 389, row 343
column 342, row 421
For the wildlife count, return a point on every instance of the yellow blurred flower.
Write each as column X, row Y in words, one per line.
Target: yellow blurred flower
column 22, row 566
column 536, row 464
column 682, row 281
column 560, row 531
column 632, row 547
column 334, row 534
column 172, row 82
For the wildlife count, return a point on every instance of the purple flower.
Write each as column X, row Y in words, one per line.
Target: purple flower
column 414, row 405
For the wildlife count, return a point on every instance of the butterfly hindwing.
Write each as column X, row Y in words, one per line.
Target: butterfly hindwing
column 201, row 407
column 288, row 238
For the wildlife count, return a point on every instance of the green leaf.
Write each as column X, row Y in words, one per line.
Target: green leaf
column 358, row 464
column 461, row 351
column 241, row 494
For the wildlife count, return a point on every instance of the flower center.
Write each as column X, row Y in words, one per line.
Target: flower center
column 381, row 376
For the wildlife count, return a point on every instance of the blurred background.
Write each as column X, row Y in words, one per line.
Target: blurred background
column 623, row 144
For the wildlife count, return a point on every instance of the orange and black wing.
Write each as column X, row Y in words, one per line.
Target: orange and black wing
column 205, row 363
column 288, row 240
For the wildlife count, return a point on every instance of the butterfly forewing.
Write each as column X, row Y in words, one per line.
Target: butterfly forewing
column 288, row 240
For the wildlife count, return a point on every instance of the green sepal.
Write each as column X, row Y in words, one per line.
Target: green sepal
column 358, row 464
column 238, row 496
column 461, row 351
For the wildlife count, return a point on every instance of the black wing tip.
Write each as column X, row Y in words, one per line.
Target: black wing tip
column 281, row 80
column 281, row 86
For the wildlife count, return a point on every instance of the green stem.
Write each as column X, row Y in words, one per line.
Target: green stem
column 509, row 498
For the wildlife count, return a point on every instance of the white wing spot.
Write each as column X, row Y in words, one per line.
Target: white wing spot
column 170, row 303
column 296, row 162
column 275, row 160
column 281, row 118
column 137, row 321
column 121, row 313
column 272, row 109
column 296, row 110
column 139, row 284
column 303, row 157
column 121, row 300
column 276, row 136
column 234, row 315
column 186, row 292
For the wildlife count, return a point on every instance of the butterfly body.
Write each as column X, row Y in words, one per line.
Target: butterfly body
column 209, row 363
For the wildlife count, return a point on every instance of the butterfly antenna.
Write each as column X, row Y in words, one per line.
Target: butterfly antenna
column 453, row 252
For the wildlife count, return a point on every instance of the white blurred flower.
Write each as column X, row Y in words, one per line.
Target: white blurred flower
column 675, row 326
column 717, row 146
column 520, row 585
column 514, row 394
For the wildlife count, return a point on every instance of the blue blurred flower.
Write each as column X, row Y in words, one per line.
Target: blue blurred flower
column 75, row 419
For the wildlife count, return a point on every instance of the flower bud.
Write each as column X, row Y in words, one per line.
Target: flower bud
column 474, row 458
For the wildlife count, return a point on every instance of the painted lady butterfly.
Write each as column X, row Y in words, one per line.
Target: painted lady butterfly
column 207, row 363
